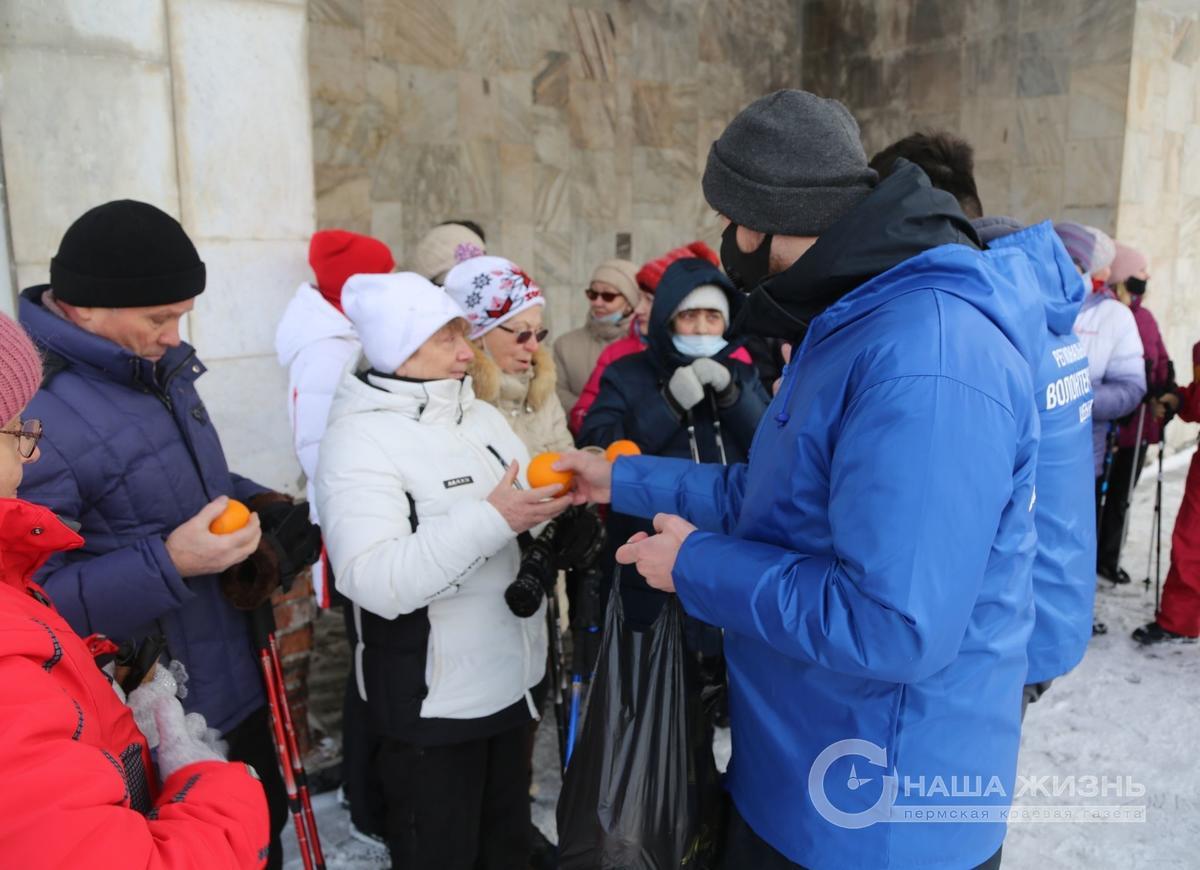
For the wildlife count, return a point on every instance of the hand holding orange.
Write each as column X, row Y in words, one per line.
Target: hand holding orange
column 541, row 472
column 623, row 447
column 234, row 517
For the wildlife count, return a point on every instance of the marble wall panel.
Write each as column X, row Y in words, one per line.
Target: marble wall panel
column 235, row 144
column 128, row 27
column 60, row 163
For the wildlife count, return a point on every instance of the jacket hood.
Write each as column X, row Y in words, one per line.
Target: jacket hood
column 56, row 335
column 309, row 318
column 491, row 384
column 1061, row 286
column 903, row 217
column 29, row 535
column 680, row 279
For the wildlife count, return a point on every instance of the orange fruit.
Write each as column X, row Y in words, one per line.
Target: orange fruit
column 234, row 517
column 624, row 447
column 541, row 472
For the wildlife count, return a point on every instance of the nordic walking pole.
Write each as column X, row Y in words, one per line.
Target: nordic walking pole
column 1138, row 456
column 691, row 430
column 556, row 653
column 1158, row 533
column 1110, row 441
column 716, row 412
column 284, row 737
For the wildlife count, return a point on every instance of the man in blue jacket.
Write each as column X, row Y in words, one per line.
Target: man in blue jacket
column 1064, row 575
column 871, row 564
column 131, row 455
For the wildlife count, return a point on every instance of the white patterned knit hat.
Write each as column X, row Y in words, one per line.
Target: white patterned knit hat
column 491, row 290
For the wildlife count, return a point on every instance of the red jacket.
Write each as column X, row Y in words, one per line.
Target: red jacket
column 77, row 785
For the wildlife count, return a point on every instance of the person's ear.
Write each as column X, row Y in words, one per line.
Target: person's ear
column 749, row 240
column 77, row 313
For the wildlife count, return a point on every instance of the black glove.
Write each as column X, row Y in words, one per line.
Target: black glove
column 290, row 543
column 579, row 539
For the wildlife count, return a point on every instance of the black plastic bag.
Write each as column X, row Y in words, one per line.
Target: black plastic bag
column 641, row 791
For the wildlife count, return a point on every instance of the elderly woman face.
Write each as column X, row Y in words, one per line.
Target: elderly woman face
column 444, row 355
column 513, row 344
column 18, row 447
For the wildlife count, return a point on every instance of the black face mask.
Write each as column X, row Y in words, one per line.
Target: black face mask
column 746, row 271
column 1136, row 286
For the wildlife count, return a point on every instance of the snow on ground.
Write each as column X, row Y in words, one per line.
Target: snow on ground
column 1124, row 712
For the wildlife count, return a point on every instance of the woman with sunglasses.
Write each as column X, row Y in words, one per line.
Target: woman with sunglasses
column 512, row 370
column 77, row 784
column 612, row 296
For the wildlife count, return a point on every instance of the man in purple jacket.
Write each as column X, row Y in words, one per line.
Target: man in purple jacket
column 131, row 456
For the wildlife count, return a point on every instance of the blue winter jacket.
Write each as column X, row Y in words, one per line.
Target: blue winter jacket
column 871, row 564
column 130, row 453
column 1064, row 572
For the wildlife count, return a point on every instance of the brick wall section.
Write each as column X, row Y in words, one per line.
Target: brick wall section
column 294, row 615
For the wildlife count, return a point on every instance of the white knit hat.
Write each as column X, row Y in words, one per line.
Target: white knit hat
column 708, row 296
column 491, row 290
column 394, row 314
column 443, row 247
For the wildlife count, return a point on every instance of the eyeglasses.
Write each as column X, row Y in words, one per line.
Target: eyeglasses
column 525, row 334
column 593, row 295
column 27, row 437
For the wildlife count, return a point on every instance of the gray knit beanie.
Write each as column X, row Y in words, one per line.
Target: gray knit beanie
column 790, row 163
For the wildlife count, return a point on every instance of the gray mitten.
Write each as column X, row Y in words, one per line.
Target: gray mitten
column 712, row 373
column 684, row 389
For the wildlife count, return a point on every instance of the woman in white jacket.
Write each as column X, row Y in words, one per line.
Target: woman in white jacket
column 418, row 492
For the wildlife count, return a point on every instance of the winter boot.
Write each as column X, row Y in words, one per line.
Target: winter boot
column 1152, row 633
column 1114, row 574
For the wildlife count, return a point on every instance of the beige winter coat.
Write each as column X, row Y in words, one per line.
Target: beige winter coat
column 527, row 401
column 576, row 353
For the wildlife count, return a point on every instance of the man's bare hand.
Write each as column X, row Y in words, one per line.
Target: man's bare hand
column 196, row 551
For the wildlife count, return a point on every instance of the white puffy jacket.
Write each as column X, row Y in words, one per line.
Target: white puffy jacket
column 316, row 343
column 1116, row 364
column 389, row 439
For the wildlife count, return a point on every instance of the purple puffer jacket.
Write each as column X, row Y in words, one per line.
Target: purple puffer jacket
column 1157, row 368
column 129, row 454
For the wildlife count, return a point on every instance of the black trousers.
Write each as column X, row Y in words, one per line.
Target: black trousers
column 744, row 849
column 464, row 806
column 362, row 788
column 1108, row 543
column 251, row 742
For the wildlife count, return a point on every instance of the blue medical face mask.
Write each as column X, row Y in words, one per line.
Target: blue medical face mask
column 613, row 318
column 699, row 345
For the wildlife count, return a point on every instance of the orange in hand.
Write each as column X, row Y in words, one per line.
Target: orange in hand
column 624, row 447
column 234, row 517
column 541, row 472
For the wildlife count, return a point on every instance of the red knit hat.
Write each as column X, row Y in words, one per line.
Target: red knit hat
column 651, row 273
column 20, row 369
column 335, row 255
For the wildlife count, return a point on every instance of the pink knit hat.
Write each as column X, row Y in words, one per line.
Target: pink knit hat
column 1127, row 263
column 20, row 369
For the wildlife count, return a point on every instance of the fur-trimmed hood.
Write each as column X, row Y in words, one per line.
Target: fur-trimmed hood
column 495, row 387
column 529, row 402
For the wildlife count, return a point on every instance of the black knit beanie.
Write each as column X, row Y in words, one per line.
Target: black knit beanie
column 790, row 163
column 126, row 254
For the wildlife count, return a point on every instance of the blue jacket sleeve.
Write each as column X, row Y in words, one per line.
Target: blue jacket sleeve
column 708, row 496
column 115, row 592
column 245, row 489
column 622, row 410
column 919, row 481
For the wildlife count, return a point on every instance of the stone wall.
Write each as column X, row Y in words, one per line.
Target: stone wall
column 1039, row 87
column 201, row 108
column 570, row 131
column 1160, row 184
